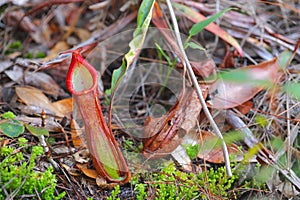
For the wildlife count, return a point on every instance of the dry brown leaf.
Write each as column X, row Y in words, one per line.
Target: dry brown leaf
column 62, row 149
column 4, row 65
column 101, row 182
column 14, row 55
column 59, row 47
column 65, row 106
column 164, row 134
column 15, row 74
column 70, row 170
column 245, row 107
column 44, row 82
column 35, row 110
column 13, row 18
column 229, row 94
column 33, row 96
column 91, row 173
column 77, row 134
column 82, row 156
column 4, row 142
column 83, row 34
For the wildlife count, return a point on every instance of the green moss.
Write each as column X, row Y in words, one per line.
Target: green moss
column 8, row 115
column 31, row 55
column 171, row 183
column 40, row 55
column 114, row 193
column 28, row 55
column 16, row 45
column 18, row 176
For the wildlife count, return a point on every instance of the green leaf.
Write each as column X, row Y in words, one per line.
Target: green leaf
column 193, row 45
column 293, row 89
column 196, row 28
column 37, row 131
column 11, row 128
column 8, row 115
column 143, row 21
column 117, row 78
column 196, row 17
column 143, row 14
column 192, row 150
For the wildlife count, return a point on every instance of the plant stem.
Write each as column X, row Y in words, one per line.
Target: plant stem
column 187, row 64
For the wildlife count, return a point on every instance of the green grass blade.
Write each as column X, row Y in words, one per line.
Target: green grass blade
column 196, row 28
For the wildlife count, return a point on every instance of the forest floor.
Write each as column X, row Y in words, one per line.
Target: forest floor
column 251, row 89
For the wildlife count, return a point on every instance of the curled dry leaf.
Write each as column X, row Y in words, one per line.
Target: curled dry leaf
column 245, row 107
column 33, row 96
column 164, row 134
column 240, row 85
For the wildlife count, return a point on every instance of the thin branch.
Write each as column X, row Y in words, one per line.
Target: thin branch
column 198, row 90
column 47, row 152
column 288, row 124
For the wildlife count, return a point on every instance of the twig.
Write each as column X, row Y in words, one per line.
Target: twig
column 263, row 155
column 288, row 124
column 15, row 192
column 198, row 90
column 46, row 150
column 37, row 193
